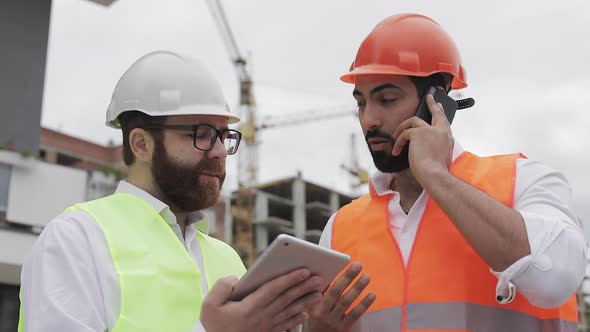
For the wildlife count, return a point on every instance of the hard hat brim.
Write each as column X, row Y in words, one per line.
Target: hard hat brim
column 378, row 69
column 213, row 110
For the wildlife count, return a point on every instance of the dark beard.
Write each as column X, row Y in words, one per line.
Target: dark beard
column 384, row 160
column 180, row 183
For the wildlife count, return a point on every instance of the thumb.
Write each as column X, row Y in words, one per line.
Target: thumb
column 221, row 290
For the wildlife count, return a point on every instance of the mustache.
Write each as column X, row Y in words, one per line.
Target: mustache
column 376, row 132
column 211, row 166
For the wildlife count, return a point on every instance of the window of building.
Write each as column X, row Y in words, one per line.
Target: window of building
column 66, row 160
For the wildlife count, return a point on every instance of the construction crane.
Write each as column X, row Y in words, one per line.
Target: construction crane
column 243, row 211
column 248, row 157
column 298, row 118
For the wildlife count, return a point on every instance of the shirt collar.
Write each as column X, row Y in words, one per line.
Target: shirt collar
column 381, row 182
column 198, row 218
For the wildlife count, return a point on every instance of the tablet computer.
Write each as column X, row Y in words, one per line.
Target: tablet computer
column 285, row 254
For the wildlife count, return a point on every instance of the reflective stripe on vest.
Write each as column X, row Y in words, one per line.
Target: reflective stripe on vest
column 443, row 269
column 457, row 316
column 159, row 281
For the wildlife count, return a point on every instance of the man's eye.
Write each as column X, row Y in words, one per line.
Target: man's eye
column 202, row 134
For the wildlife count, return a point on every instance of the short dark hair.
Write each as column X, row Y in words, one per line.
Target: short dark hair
column 438, row 79
column 135, row 119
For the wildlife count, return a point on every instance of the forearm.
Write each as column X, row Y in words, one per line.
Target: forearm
column 496, row 232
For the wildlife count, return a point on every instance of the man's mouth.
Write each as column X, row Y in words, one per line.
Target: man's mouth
column 213, row 175
column 379, row 144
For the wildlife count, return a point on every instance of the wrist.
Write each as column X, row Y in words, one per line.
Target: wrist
column 433, row 175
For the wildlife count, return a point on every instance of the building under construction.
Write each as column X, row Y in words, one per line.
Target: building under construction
column 292, row 206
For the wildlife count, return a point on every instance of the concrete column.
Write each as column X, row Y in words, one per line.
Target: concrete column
column 299, row 220
column 334, row 201
column 261, row 206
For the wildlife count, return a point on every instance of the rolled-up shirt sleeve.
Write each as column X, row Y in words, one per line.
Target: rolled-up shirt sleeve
column 326, row 237
column 557, row 263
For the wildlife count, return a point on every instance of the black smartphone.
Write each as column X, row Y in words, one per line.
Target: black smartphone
column 440, row 96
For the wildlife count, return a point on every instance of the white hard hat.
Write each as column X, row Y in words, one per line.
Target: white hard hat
column 164, row 83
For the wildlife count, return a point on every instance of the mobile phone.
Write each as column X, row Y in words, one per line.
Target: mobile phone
column 440, row 96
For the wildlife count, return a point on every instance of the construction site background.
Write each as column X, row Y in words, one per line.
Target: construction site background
column 52, row 169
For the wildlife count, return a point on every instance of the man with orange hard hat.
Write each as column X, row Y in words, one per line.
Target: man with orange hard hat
column 446, row 240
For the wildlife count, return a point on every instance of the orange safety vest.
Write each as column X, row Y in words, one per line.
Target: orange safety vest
column 446, row 285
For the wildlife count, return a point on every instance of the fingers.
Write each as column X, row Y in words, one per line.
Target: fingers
column 296, row 307
column 333, row 310
column 346, row 301
column 402, row 135
column 333, row 294
column 359, row 310
column 402, row 140
column 303, row 295
column 438, row 113
column 271, row 290
column 413, row 122
column 291, row 323
column 221, row 291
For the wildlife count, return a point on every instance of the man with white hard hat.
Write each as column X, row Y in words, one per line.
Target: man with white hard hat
column 141, row 259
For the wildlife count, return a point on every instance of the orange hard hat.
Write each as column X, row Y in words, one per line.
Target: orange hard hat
column 410, row 45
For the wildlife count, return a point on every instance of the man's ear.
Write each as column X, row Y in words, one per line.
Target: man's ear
column 142, row 144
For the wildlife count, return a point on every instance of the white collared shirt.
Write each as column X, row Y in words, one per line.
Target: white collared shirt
column 69, row 283
column 543, row 197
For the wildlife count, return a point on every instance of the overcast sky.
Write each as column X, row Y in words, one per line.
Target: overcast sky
column 526, row 61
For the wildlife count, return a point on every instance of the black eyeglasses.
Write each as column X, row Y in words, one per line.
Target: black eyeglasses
column 205, row 136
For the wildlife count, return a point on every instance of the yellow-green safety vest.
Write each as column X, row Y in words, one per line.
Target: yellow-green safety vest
column 160, row 282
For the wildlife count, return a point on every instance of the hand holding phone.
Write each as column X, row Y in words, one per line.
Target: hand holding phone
column 449, row 104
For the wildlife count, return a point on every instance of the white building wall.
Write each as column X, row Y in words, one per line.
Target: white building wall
column 37, row 193
column 40, row 191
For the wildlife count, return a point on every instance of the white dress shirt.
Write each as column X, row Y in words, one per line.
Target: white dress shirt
column 69, row 282
column 556, row 266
